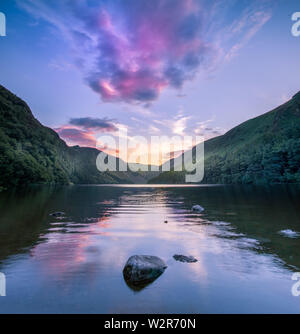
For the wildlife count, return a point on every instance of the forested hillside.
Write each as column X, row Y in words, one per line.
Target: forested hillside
column 265, row 149
column 31, row 153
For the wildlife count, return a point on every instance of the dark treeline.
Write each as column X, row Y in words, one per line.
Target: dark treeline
column 31, row 153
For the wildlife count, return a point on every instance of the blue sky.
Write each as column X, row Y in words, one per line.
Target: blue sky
column 195, row 67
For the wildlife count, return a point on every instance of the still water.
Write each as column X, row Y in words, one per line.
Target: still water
column 74, row 263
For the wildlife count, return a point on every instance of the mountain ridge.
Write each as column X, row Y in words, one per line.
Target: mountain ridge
column 31, row 153
column 264, row 149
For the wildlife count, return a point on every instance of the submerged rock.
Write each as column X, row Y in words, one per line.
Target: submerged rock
column 197, row 208
column 183, row 258
column 57, row 214
column 289, row 233
column 91, row 220
column 141, row 270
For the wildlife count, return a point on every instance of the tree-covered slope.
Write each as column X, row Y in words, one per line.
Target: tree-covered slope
column 265, row 149
column 31, row 153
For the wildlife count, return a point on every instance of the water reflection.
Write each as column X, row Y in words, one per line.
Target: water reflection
column 74, row 263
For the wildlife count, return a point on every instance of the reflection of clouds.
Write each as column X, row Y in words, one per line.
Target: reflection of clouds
column 234, row 251
column 67, row 248
column 61, row 253
column 97, row 250
column 151, row 223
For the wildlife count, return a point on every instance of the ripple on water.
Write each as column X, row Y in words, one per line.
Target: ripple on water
column 289, row 233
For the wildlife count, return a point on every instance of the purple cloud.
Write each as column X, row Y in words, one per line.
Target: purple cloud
column 132, row 50
column 97, row 124
column 75, row 136
column 83, row 131
column 146, row 46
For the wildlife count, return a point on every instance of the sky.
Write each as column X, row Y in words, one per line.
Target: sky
column 153, row 68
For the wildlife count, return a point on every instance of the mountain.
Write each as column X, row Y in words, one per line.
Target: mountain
column 265, row 149
column 31, row 153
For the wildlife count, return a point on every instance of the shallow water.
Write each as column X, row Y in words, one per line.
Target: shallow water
column 74, row 263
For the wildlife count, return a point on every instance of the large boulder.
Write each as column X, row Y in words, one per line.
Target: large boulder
column 141, row 270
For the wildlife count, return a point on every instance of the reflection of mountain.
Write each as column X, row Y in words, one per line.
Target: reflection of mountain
column 265, row 149
column 253, row 212
column 21, row 224
column 31, row 153
column 75, row 264
column 25, row 216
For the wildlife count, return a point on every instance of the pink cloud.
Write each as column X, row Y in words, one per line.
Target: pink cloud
column 132, row 50
column 74, row 136
column 83, row 131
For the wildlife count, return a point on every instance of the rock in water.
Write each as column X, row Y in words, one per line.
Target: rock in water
column 290, row 233
column 141, row 270
column 197, row 208
column 57, row 214
column 183, row 258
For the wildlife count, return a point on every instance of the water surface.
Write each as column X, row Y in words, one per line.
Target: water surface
column 73, row 264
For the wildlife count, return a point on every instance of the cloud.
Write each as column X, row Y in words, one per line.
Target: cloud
column 153, row 130
column 83, row 131
column 176, row 125
column 99, row 124
column 75, row 136
column 251, row 24
column 144, row 47
column 179, row 126
column 132, row 50
column 206, row 130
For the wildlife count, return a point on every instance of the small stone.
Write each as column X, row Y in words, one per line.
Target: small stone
column 289, row 233
column 183, row 258
column 197, row 208
column 57, row 214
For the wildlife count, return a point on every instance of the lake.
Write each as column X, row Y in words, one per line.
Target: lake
column 74, row 263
